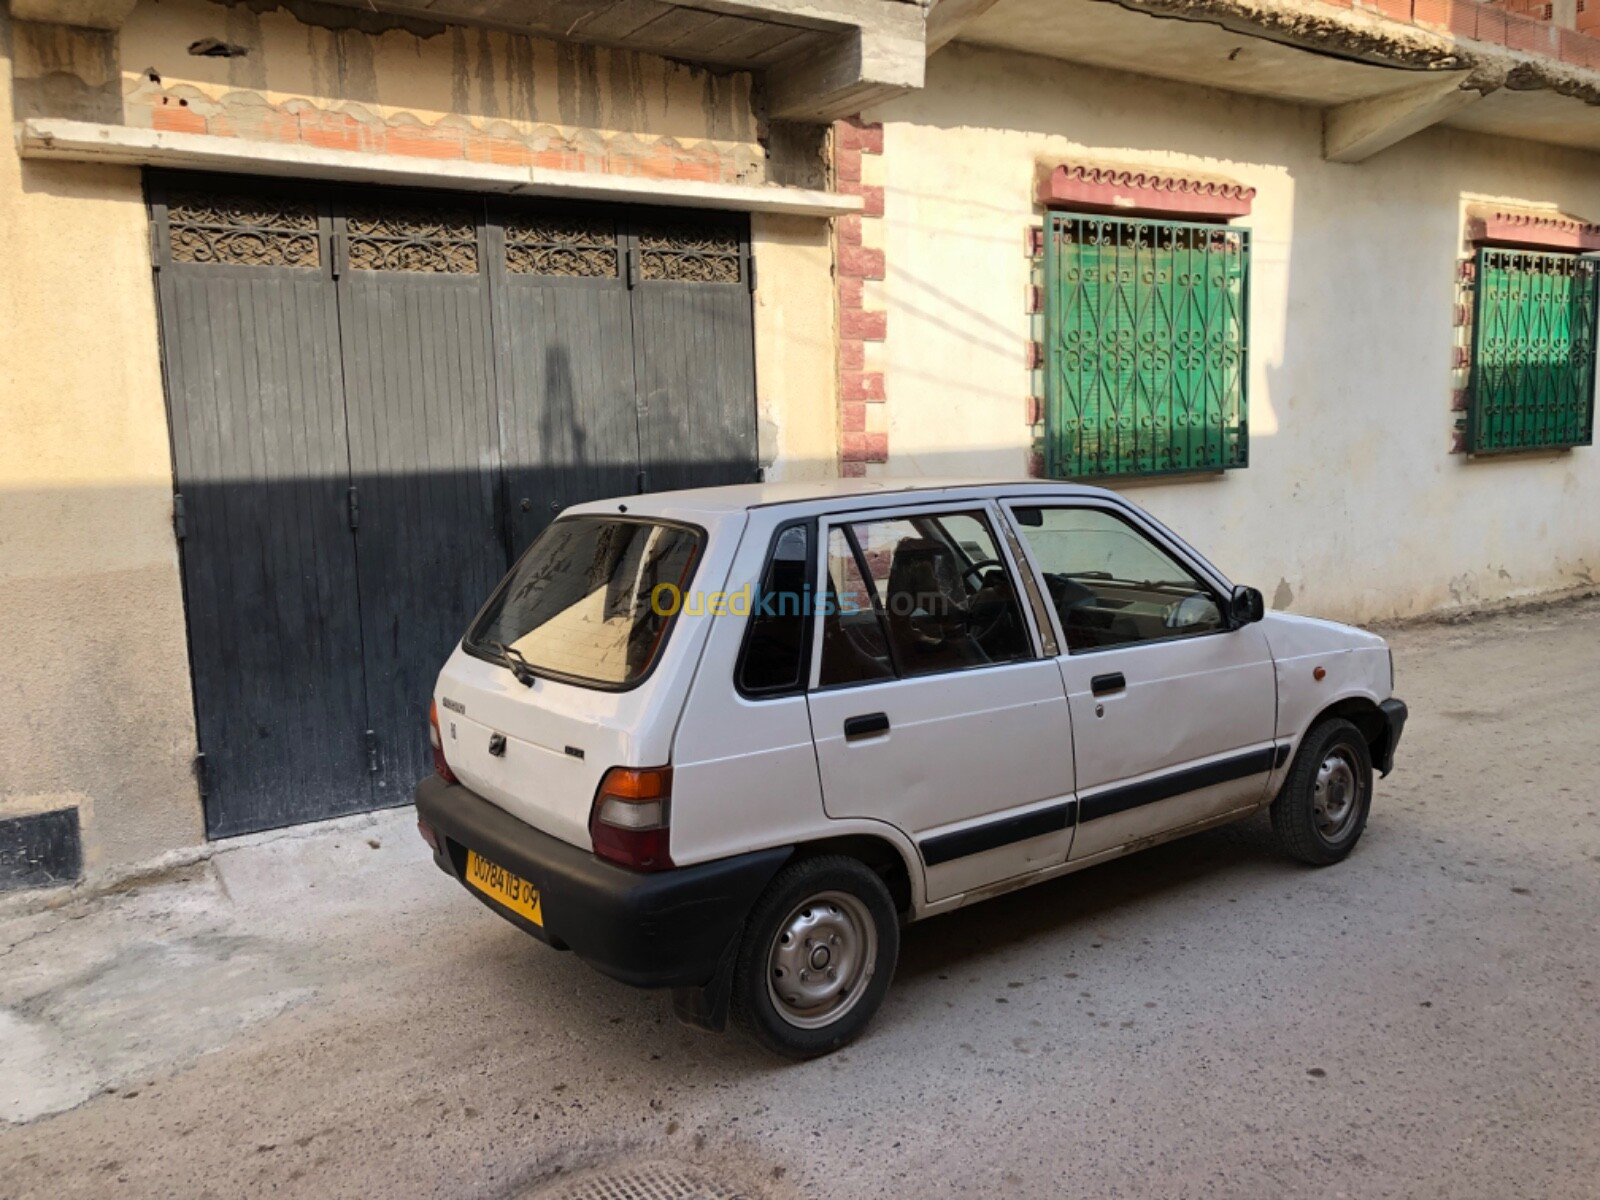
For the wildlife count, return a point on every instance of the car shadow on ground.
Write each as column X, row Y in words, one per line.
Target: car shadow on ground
column 1064, row 907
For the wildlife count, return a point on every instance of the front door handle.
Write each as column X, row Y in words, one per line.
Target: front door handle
column 1104, row 685
column 865, row 726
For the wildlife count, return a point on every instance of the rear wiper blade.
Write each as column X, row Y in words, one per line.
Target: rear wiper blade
column 514, row 662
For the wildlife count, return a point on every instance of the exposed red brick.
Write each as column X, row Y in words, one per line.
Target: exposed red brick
column 504, row 152
column 424, row 143
column 1458, row 400
column 1033, row 355
column 1399, row 10
column 1534, row 37
column 868, row 326
column 860, row 263
column 848, row 230
column 855, row 135
column 852, row 355
column 877, row 447
column 1035, row 465
column 853, row 470
column 871, row 197
column 853, row 446
column 257, row 123
column 1034, row 410
column 861, row 385
column 1458, row 442
column 177, row 120
column 1032, row 298
column 850, row 290
column 854, row 416
column 558, row 160
column 1459, row 17
column 1491, row 25
column 847, row 165
column 334, row 131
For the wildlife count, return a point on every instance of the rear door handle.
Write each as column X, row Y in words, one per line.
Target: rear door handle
column 865, row 726
column 1102, row 685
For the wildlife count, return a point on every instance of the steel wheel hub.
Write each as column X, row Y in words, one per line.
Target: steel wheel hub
column 1336, row 796
column 821, row 960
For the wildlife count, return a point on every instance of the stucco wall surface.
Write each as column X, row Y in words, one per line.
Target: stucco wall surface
column 94, row 680
column 1352, row 505
column 796, row 385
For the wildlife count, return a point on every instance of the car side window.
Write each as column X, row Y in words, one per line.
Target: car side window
column 1110, row 584
column 775, row 654
column 939, row 595
column 854, row 646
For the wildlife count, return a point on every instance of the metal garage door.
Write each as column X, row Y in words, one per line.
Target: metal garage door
column 377, row 399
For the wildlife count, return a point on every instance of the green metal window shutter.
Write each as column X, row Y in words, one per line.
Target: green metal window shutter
column 1145, row 352
column 1533, row 344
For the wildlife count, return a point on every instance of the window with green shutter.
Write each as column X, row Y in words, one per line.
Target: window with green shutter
column 1533, row 346
column 1145, row 355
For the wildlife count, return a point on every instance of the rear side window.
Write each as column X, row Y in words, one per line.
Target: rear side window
column 775, row 653
column 592, row 601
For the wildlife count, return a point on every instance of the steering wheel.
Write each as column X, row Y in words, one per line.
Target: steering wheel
column 1002, row 610
column 978, row 567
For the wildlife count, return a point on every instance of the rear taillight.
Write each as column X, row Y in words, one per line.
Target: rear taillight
column 440, row 766
column 628, row 824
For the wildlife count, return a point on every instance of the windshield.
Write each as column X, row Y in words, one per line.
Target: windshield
column 578, row 604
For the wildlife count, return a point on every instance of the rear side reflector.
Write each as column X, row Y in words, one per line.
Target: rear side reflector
column 440, row 766
column 629, row 823
column 429, row 835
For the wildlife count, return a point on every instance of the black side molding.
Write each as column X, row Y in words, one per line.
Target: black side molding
column 946, row 847
column 1281, row 757
column 1176, row 783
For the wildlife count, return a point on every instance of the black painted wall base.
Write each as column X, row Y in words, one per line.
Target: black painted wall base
column 40, row 850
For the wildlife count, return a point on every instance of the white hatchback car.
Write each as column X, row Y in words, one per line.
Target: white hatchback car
column 725, row 741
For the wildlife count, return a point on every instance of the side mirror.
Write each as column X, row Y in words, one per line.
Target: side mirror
column 1245, row 606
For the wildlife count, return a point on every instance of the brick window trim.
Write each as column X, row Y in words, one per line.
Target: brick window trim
column 1532, row 229
column 1138, row 191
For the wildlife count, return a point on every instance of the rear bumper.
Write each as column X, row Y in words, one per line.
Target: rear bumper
column 662, row 929
column 1394, row 717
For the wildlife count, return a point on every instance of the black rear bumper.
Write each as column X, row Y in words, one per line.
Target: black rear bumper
column 651, row 929
column 1394, row 718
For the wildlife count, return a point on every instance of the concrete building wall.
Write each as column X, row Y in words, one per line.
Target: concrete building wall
column 94, row 689
column 95, row 699
column 1353, row 505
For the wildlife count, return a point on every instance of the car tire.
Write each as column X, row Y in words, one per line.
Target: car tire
column 1322, row 807
column 819, row 915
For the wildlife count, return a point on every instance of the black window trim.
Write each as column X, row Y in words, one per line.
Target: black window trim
column 1206, row 578
column 985, row 507
column 702, row 542
column 800, row 686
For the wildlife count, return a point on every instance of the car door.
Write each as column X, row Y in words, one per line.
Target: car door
column 1173, row 708
column 931, row 707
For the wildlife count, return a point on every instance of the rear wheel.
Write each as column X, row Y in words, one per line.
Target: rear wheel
column 1322, row 808
column 818, row 952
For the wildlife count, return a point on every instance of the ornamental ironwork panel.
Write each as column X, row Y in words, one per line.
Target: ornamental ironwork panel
column 407, row 238
column 1533, row 346
column 688, row 253
column 564, row 247
column 1146, row 346
column 216, row 229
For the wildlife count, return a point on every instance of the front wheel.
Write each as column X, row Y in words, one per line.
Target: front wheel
column 1322, row 808
column 818, row 952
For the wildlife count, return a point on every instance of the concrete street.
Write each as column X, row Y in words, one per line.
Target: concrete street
column 325, row 1014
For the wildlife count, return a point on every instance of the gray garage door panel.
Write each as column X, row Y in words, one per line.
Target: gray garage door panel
column 260, row 457
column 424, row 457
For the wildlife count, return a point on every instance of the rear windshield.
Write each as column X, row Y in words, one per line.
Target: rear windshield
column 579, row 605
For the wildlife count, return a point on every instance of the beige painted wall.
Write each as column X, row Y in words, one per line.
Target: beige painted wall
column 94, row 687
column 796, row 376
column 1352, row 506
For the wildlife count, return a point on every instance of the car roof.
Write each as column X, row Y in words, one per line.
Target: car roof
column 741, row 497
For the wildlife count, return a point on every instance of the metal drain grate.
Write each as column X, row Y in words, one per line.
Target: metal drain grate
column 639, row 1183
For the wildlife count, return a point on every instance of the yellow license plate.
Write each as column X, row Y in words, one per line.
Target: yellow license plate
column 500, row 885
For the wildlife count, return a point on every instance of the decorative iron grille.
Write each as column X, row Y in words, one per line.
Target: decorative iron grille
column 568, row 247
column 1146, row 347
column 1533, row 346
column 394, row 238
column 247, row 231
column 687, row 253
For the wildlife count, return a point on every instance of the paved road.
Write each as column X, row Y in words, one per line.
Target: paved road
column 326, row 1015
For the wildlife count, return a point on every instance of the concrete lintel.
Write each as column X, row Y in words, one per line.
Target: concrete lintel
column 857, row 69
column 83, row 141
column 1354, row 132
column 947, row 18
column 85, row 14
column 902, row 15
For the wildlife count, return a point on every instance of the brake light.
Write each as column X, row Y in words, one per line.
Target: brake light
column 629, row 821
column 440, row 766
